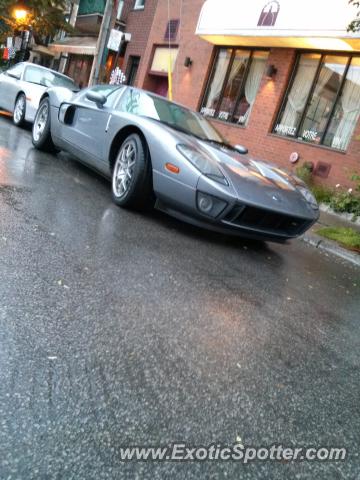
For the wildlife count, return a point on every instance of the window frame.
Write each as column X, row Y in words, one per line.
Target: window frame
column 156, row 47
column 210, row 78
column 139, row 4
column 292, row 77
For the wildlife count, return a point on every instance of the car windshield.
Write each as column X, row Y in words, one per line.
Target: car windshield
column 171, row 114
column 47, row 78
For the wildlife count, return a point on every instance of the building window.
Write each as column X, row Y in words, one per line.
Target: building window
column 160, row 63
column 139, row 4
column 322, row 103
column 120, row 9
column 171, row 30
column 233, row 84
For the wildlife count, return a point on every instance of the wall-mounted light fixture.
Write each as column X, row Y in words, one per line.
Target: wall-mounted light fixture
column 188, row 62
column 271, row 71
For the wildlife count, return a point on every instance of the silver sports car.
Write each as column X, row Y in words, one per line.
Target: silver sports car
column 22, row 86
column 156, row 151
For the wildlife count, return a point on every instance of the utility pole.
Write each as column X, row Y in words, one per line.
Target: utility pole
column 101, row 43
column 74, row 8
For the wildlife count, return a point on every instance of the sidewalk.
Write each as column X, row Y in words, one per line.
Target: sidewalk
column 332, row 220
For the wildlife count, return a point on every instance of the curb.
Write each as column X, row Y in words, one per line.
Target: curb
column 345, row 217
column 331, row 247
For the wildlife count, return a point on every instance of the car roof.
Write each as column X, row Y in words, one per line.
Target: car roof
column 41, row 67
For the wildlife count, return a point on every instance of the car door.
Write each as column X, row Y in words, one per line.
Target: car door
column 86, row 133
column 10, row 85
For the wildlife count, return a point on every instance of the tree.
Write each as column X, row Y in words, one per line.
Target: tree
column 45, row 17
column 354, row 26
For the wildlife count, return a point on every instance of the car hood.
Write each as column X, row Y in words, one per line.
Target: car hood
column 260, row 183
column 252, row 181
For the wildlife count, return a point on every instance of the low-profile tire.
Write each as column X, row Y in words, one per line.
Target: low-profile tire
column 19, row 110
column 41, row 131
column 131, row 183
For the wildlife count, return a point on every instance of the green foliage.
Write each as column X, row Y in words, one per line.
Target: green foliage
column 356, row 178
column 348, row 237
column 354, row 26
column 45, row 17
column 304, row 173
column 341, row 201
column 346, row 202
column 322, row 194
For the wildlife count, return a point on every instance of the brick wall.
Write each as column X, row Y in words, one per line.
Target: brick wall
column 189, row 84
column 139, row 23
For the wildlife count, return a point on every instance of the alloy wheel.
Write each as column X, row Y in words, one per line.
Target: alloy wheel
column 19, row 109
column 124, row 168
column 40, row 121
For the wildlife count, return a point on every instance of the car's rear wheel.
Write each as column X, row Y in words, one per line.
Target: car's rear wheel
column 19, row 110
column 41, row 131
column 132, row 175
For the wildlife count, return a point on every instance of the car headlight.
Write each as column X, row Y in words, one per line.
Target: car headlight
column 202, row 162
column 309, row 197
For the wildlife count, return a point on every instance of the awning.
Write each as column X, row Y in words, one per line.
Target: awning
column 42, row 50
column 313, row 24
column 77, row 45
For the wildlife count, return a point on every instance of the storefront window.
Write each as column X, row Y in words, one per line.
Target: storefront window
column 322, row 105
column 233, row 84
column 347, row 110
column 213, row 94
column 248, row 95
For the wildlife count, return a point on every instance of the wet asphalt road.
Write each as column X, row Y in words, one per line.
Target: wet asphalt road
column 118, row 328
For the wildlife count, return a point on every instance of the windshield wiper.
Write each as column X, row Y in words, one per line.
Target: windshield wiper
column 218, row 142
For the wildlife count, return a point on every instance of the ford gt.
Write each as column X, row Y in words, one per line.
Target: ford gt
column 159, row 153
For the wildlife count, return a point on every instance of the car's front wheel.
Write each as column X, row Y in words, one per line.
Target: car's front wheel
column 41, row 131
column 19, row 110
column 132, row 175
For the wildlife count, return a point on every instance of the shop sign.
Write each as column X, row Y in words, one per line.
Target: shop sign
column 269, row 14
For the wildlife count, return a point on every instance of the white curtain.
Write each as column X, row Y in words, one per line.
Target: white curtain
column 253, row 83
column 237, row 71
column 218, row 79
column 299, row 93
column 324, row 77
column 350, row 106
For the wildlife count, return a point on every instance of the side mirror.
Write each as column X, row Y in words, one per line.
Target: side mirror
column 241, row 149
column 13, row 75
column 96, row 97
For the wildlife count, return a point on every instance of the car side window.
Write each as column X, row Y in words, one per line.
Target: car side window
column 16, row 71
column 129, row 102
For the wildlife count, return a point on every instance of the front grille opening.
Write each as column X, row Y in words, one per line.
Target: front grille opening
column 266, row 220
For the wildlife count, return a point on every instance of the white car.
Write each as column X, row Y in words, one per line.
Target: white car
column 22, row 86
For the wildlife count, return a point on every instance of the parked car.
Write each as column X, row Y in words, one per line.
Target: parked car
column 22, row 86
column 157, row 150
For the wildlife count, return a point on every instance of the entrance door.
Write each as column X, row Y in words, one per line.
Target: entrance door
column 134, row 66
column 79, row 68
column 161, row 86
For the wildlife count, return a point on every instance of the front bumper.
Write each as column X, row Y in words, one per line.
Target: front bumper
column 245, row 221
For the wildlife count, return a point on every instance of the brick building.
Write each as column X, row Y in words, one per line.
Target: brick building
column 281, row 77
column 75, row 52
